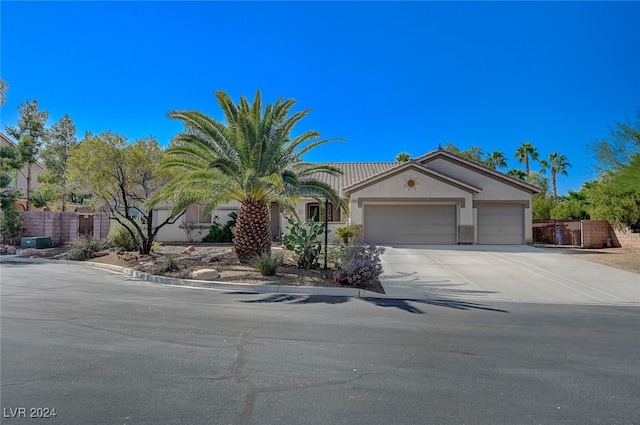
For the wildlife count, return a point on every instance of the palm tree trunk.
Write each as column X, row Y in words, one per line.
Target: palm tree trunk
column 555, row 187
column 253, row 232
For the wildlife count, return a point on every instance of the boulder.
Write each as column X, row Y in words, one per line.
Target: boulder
column 205, row 274
column 188, row 250
column 100, row 254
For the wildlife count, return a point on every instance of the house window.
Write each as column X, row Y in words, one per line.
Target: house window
column 316, row 212
column 194, row 215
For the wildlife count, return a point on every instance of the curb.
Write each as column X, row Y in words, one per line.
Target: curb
column 207, row 284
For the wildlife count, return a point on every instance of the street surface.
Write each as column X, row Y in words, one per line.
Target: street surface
column 103, row 348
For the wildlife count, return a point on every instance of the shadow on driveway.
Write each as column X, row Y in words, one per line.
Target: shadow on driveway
column 401, row 304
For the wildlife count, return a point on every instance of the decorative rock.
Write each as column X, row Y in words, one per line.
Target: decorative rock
column 11, row 250
column 100, row 254
column 28, row 252
column 212, row 259
column 188, row 250
column 205, row 274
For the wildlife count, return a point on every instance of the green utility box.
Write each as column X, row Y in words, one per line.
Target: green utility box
column 37, row 242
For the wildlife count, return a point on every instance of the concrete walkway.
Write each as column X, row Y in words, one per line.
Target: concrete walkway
column 503, row 273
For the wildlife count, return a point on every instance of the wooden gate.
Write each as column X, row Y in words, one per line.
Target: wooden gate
column 85, row 224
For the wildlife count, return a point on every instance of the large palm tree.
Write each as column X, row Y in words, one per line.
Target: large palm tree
column 557, row 164
column 250, row 158
column 525, row 151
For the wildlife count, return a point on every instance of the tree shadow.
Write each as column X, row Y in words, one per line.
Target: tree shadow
column 402, row 304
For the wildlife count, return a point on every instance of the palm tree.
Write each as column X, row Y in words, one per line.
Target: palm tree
column 517, row 173
column 558, row 164
column 250, row 158
column 403, row 157
column 495, row 160
column 525, row 151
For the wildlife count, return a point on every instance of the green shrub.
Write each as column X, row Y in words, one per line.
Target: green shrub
column 268, row 264
column 219, row 233
column 121, row 238
column 83, row 247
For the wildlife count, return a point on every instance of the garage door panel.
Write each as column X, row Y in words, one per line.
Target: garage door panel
column 501, row 225
column 410, row 224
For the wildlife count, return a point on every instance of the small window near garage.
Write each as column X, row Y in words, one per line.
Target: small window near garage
column 316, row 212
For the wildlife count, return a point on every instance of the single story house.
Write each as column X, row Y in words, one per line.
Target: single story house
column 438, row 198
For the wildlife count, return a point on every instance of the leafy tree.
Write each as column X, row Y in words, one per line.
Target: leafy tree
column 250, row 158
column 525, row 151
column 403, row 157
column 3, row 90
column 495, row 160
column 610, row 200
column 557, row 164
column 122, row 177
column 62, row 140
column 474, row 153
column 30, row 134
column 11, row 225
column 618, row 150
column 572, row 206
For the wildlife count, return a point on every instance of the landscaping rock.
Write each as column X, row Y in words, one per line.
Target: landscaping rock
column 11, row 250
column 100, row 254
column 189, row 250
column 28, row 252
column 205, row 274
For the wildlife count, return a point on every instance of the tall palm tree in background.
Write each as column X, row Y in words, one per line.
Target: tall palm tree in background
column 495, row 160
column 525, row 151
column 250, row 158
column 557, row 164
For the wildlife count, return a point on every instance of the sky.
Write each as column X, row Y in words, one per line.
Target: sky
column 386, row 77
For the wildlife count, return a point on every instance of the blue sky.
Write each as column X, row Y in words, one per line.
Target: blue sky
column 386, row 76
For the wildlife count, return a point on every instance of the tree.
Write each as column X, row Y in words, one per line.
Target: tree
column 11, row 225
column 62, row 140
column 250, row 158
column 495, row 160
column 517, row 173
column 525, row 151
column 612, row 201
column 557, row 164
column 618, row 150
column 30, row 134
column 571, row 207
column 3, row 91
column 474, row 153
column 403, row 157
column 121, row 177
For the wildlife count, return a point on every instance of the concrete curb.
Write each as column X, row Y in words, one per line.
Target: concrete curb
column 206, row 284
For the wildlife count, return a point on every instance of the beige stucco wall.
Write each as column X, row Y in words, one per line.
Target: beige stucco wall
column 492, row 190
column 174, row 233
column 428, row 190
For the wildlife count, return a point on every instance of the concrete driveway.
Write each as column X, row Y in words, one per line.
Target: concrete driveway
column 503, row 273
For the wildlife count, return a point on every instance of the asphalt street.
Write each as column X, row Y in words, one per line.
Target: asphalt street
column 104, row 348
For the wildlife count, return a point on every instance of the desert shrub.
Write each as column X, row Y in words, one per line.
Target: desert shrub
column 335, row 254
column 302, row 238
column 267, row 264
column 361, row 264
column 170, row 264
column 84, row 246
column 120, row 237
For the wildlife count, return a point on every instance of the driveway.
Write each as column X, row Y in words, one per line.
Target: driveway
column 503, row 273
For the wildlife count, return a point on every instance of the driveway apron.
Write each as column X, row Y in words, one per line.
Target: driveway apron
column 503, row 273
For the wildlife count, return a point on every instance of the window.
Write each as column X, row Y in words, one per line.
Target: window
column 316, row 212
column 194, row 215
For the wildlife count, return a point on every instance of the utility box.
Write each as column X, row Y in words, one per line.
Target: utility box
column 37, row 242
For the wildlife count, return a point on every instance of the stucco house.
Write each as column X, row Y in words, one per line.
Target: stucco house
column 438, row 198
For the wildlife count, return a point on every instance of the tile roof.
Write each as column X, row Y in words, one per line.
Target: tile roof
column 354, row 172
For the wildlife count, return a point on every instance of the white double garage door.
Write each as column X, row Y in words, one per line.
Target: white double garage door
column 501, row 224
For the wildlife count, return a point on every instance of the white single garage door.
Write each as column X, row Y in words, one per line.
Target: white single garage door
column 410, row 224
column 501, row 224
